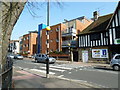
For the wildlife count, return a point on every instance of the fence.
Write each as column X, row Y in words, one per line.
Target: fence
column 6, row 76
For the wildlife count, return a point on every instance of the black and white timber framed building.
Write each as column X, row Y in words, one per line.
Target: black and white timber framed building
column 100, row 40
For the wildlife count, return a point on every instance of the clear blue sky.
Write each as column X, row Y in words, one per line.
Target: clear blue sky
column 69, row 10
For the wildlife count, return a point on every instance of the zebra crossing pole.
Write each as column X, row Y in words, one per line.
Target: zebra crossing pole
column 47, row 64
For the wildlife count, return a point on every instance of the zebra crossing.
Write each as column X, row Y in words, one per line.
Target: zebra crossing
column 40, row 68
column 57, row 69
column 53, row 69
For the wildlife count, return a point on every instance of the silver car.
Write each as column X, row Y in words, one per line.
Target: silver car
column 18, row 57
column 11, row 56
column 43, row 57
column 115, row 62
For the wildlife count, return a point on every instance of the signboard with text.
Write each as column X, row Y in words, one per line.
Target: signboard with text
column 99, row 53
column 117, row 41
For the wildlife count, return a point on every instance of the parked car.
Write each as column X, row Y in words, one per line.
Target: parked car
column 33, row 56
column 10, row 56
column 18, row 57
column 43, row 57
column 115, row 62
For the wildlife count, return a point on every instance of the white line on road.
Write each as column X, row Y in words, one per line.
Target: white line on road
column 53, row 69
column 60, row 76
column 100, row 71
column 61, row 67
column 42, row 71
column 69, row 72
column 80, row 69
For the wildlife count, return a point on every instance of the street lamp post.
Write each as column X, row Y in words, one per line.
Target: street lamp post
column 48, row 15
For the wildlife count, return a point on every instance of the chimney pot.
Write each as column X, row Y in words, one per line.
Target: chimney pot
column 95, row 15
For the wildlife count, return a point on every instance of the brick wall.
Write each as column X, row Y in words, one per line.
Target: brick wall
column 54, row 35
column 53, row 38
column 25, row 43
column 33, row 43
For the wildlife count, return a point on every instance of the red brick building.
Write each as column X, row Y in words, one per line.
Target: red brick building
column 25, row 44
column 55, row 40
column 61, row 35
column 29, row 45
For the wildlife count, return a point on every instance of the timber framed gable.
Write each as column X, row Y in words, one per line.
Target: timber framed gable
column 103, row 32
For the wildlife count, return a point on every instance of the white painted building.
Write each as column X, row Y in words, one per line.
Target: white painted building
column 14, row 46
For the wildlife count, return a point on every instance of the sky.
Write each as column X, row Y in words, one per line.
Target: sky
column 67, row 10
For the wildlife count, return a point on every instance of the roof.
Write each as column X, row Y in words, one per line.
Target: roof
column 25, row 35
column 99, row 25
column 118, row 7
column 79, row 18
column 33, row 31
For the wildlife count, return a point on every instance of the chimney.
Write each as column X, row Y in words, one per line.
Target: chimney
column 95, row 15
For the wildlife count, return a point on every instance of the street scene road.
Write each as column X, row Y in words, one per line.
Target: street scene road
column 55, row 48
column 98, row 76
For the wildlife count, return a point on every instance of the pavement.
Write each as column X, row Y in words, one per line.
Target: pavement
column 26, row 79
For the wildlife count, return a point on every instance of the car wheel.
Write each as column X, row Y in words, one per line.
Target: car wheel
column 36, row 61
column 116, row 67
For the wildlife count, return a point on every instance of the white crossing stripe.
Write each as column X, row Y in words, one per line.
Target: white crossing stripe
column 53, row 69
column 68, row 66
column 61, row 67
column 42, row 71
column 61, row 76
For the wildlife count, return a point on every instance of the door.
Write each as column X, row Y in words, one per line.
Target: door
column 75, row 56
column 85, row 56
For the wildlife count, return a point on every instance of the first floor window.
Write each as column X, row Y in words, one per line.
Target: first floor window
column 95, row 36
column 117, row 30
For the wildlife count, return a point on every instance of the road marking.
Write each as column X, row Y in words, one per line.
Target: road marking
column 100, row 71
column 61, row 67
column 81, row 66
column 80, row 69
column 60, row 76
column 53, row 69
column 42, row 71
column 19, row 67
column 69, row 72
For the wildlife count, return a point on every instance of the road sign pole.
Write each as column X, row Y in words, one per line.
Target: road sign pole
column 47, row 64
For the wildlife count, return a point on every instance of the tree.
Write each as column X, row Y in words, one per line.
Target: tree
column 9, row 14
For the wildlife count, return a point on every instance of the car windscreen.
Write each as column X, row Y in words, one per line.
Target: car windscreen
column 117, row 57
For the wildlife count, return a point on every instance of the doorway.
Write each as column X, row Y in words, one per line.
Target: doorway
column 75, row 56
column 85, row 56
